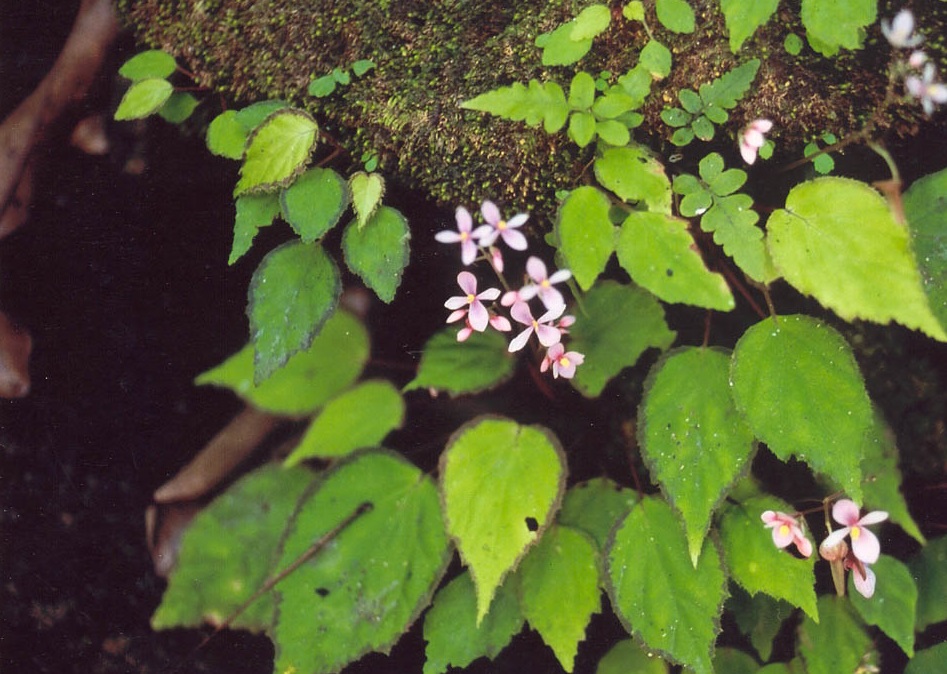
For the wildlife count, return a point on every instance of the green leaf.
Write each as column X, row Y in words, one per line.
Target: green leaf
column 310, row 379
column 634, row 175
column 253, row 212
column 692, row 438
column 536, row 103
column 582, row 128
column 715, row 114
column 213, row 575
column 733, row 223
column 758, row 565
column 362, row 66
column 675, row 15
column 925, row 207
column 929, row 661
column 837, row 643
column 586, row 236
column 450, row 627
column 675, row 117
column 613, row 132
column 366, row 189
column 733, row 661
column 360, row 593
column 582, row 91
column 559, row 590
column 501, row 484
column 614, row 327
column 699, row 202
column 153, row 63
column 759, row 617
column 627, row 656
column 686, row 184
column 277, row 151
column 703, row 128
column 797, row 382
column 682, row 136
column 614, row 103
column 726, row 90
column 727, row 182
column 793, row 44
column 636, row 83
column 657, row 593
column 315, row 201
column 711, row 166
column 360, row 417
column 929, row 569
column 633, row 11
column 226, row 136
column 478, row 364
column 591, row 21
column 322, row 86
column 379, row 251
column 254, row 115
column 143, row 98
column 831, row 24
column 659, row 254
column 743, row 18
column 292, row 294
column 656, row 58
column 690, row 101
column 178, row 107
column 341, row 76
column 559, row 49
column 893, row 605
column 830, row 242
column 595, row 506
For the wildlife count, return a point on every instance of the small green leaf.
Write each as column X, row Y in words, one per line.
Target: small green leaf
column 322, row 86
column 733, row 661
column 253, row 212
column 690, row 101
column 315, row 201
column 727, row 182
column 759, row 617
column 450, row 627
column 153, row 63
column 636, row 83
column 362, row 66
column 360, row 593
column 634, row 175
column 682, row 136
column 360, row 417
column 614, row 103
column 659, row 596
column 726, row 90
column 697, row 203
column 675, row 117
column 379, row 251
column 793, row 44
column 929, row 569
column 633, row 11
column 586, row 236
column 590, row 22
column 226, row 136
column 831, row 24
column 692, row 438
column 929, row 661
column 711, row 166
column 341, row 76
column 178, row 107
column 616, row 324
column 595, row 506
column 582, row 91
column 715, row 114
column 837, row 643
column 656, row 58
column 292, row 294
column 892, row 606
column 797, row 382
column 743, row 18
column 686, row 184
column 501, row 484
column 675, row 15
column 733, row 223
column 703, row 128
column 613, row 132
column 831, row 240
column 143, row 98
column 367, row 190
column 659, row 254
column 627, row 656
column 925, row 207
column 581, row 128
column 277, row 150
column 480, row 363
column 310, row 379
column 559, row 49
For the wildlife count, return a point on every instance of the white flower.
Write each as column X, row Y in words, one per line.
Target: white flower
column 925, row 89
column 899, row 32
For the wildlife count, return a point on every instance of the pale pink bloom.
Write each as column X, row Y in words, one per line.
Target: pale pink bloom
column 464, row 333
column 925, row 89
column 466, row 235
column 511, row 297
column 862, row 576
column 500, row 323
column 498, row 227
column 547, row 334
column 917, row 59
column 564, row 323
column 471, row 302
column 752, row 138
column 899, row 32
column 496, row 259
column 542, row 283
column 786, row 530
column 563, row 362
column 865, row 545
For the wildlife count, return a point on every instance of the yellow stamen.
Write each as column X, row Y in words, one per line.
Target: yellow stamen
column 501, row 225
column 471, row 298
column 783, row 529
column 856, row 532
column 564, row 362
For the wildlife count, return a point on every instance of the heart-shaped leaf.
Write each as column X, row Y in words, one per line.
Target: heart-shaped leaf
column 315, row 201
column 367, row 190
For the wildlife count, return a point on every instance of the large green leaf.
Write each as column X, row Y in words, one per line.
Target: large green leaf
column 378, row 251
column 627, row 656
column 143, row 98
column 925, row 206
column 635, row 175
column 757, row 564
column 480, row 363
column 454, row 639
column 796, row 381
column 253, row 212
column 214, row 575
column 360, row 593
column 315, row 201
column 929, row 569
column 660, row 597
column 659, row 254
column 616, row 323
column 501, row 484
column 734, row 661
column 692, row 438
column 931, row 660
column 893, row 605
column 559, row 590
column 837, row 643
column 310, row 379
column 292, row 293
column 586, row 236
column 837, row 240
column 743, row 18
column 595, row 506
column 277, row 151
column 831, row 24
column 360, row 417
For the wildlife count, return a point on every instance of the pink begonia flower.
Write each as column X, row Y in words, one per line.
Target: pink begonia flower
column 542, row 283
column 564, row 323
column 466, row 235
column 752, row 138
column 865, row 545
column 925, row 89
column 563, row 362
column 899, row 32
column 498, row 227
column 471, row 302
column 547, row 334
column 786, row 530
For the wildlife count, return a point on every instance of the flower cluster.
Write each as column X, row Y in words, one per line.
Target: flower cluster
column 551, row 324
column 920, row 75
column 753, row 137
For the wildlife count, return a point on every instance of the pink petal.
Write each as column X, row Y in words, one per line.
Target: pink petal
column 528, row 292
column 748, row 153
column 500, row 323
column 447, row 236
column 481, row 232
column 496, row 259
column 464, row 333
column 520, row 340
column 782, row 538
column 804, row 545
column 456, row 302
column 548, row 335
column 555, row 352
column 536, row 269
column 769, row 517
column 517, row 220
column 866, row 585
column 552, row 299
column 552, row 314
column 865, row 545
column 761, row 125
column 834, row 538
column 514, row 239
column 468, row 252
column 874, row 517
column 753, row 138
column 845, row 512
column 521, row 313
column 456, row 316
column 467, row 283
column 489, row 294
column 560, row 276
column 464, row 221
column 490, row 237
column 510, row 297
column 490, row 212
column 576, row 357
column 478, row 316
